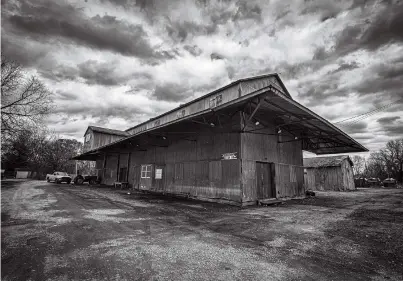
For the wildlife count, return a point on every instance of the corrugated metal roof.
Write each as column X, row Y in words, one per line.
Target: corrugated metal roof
column 219, row 90
column 316, row 133
column 108, row 131
column 328, row 161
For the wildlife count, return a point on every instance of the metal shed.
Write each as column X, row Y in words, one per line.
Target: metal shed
column 329, row 173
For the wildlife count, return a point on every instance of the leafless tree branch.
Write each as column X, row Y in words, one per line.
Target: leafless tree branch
column 24, row 100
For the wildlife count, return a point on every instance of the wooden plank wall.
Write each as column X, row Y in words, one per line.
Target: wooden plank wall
column 110, row 169
column 100, row 139
column 89, row 144
column 289, row 173
column 194, row 167
column 348, row 175
column 331, row 178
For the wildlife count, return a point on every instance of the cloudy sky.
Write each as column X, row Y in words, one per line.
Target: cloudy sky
column 116, row 63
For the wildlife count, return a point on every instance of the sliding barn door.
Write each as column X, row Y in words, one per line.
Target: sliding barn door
column 265, row 180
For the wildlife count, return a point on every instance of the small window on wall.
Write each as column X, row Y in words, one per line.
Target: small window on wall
column 146, row 171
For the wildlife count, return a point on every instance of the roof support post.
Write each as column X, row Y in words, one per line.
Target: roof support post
column 118, row 166
column 260, row 101
column 128, row 166
column 104, row 167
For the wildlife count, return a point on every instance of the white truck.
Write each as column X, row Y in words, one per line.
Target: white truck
column 58, row 177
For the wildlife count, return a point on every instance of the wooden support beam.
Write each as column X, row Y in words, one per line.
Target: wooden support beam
column 255, row 110
column 293, row 122
column 128, row 166
column 294, row 140
column 118, row 168
column 305, row 117
column 104, row 167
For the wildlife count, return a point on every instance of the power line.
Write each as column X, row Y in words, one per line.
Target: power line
column 376, row 109
column 366, row 115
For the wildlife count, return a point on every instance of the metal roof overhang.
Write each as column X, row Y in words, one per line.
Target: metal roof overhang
column 296, row 123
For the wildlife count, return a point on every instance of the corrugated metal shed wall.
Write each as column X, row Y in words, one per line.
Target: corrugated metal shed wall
column 289, row 175
column 195, row 167
column 339, row 178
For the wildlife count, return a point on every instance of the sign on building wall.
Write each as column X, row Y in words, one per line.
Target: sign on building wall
column 229, row 156
column 216, row 101
column 158, row 174
column 181, row 113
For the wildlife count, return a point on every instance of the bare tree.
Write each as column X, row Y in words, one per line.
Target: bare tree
column 393, row 155
column 24, row 100
column 359, row 164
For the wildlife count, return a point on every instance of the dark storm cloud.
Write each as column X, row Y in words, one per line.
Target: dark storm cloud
column 17, row 49
column 320, row 54
column 326, row 10
column 94, row 72
column 371, row 34
column 91, row 72
column 395, row 129
column 172, row 92
column 194, row 50
column 216, row 56
column 388, row 120
column 177, row 92
column 181, row 30
column 386, row 28
column 355, row 128
column 55, row 21
column 66, row 96
column 346, row 66
column 382, row 82
column 382, row 78
column 100, row 111
column 248, row 11
column 59, row 73
column 231, row 72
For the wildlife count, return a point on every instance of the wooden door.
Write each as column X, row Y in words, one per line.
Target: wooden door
column 265, row 180
column 122, row 174
column 146, row 176
column 159, row 177
column 136, row 177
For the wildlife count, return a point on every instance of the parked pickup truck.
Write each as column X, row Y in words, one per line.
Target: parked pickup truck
column 58, row 177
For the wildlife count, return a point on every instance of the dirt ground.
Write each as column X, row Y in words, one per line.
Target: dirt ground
column 63, row 232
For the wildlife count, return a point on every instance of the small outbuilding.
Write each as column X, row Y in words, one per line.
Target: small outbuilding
column 329, row 173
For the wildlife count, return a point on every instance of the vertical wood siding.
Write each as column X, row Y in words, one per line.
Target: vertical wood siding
column 287, row 157
column 192, row 167
column 330, row 178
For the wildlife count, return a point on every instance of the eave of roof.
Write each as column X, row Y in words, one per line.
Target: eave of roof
column 215, row 92
column 106, row 131
column 279, row 95
column 326, row 161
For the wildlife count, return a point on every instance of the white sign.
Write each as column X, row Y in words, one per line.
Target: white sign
column 229, row 156
column 158, row 173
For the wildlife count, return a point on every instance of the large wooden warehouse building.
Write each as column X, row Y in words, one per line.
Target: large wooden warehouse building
column 238, row 144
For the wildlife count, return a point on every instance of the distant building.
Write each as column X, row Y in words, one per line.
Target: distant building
column 238, row 144
column 22, row 173
column 329, row 173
